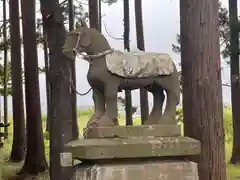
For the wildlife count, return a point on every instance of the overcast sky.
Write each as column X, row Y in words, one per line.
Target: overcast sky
column 161, row 24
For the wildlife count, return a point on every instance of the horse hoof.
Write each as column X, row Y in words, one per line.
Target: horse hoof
column 93, row 123
column 105, row 121
column 151, row 121
column 167, row 120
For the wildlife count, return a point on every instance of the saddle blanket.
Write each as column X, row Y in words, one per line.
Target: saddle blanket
column 139, row 64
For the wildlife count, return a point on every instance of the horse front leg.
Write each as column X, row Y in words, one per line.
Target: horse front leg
column 99, row 110
column 110, row 116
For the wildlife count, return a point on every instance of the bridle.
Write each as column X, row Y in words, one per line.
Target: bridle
column 88, row 58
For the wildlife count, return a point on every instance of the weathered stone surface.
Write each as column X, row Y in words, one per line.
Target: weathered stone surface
column 139, row 64
column 163, row 170
column 93, row 149
column 136, row 131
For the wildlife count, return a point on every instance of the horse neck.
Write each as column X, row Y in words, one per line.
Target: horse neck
column 99, row 43
column 97, row 50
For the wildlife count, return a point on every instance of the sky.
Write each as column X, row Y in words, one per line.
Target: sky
column 161, row 24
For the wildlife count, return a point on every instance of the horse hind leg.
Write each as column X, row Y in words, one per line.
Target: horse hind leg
column 158, row 99
column 169, row 115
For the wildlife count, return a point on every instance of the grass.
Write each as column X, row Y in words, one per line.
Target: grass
column 10, row 169
column 233, row 171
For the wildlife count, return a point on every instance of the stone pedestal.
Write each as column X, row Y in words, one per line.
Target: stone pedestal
column 135, row 152
column 158, row 170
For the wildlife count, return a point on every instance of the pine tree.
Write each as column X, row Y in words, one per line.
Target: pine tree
column 202, row 91
column 235, row 88
column 128, row 95
column 18, row 146
column 61, row 122
column 35, row 161
column 141, row 46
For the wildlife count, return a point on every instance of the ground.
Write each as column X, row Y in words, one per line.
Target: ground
column 9, row 169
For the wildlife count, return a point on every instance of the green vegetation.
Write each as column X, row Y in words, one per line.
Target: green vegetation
column 9, row 169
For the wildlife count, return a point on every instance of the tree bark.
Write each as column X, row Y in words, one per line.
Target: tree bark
column 94, row 8
column 202, row 90
column 60, row 74
column 128, row 95
column 235, row 82
column 94, row 14
column 48, row 93
column 141, row 46
column 5, row 69
column 100, row 15
column 18, row 145
column 73, row 76
column 35, row 161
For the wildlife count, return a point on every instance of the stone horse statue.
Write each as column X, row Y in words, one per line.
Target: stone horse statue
column 111, row 71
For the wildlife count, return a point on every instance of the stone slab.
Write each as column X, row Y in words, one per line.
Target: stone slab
column 135, row 131
column 162, row 170
column 118, row 148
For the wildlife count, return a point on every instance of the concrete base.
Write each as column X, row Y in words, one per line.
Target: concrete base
column 142, row 147
column 162, row 170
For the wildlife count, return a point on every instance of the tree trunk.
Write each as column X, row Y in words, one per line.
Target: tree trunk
column 18, row 146
column 202, row 90
column 128, row 95
column 140, row 46
column 100, row 15
column 94, row 14
column 75, row 131
column 48, row 93
column 94, row 9
column 235, row 82
column 5, row 69
column 60, row 74
column 35, row 161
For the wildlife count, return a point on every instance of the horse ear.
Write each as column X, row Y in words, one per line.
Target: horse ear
column 85, row 39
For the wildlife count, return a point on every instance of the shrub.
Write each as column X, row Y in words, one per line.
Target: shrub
column 87, row 112
column 179, row 115
column 227, row 116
